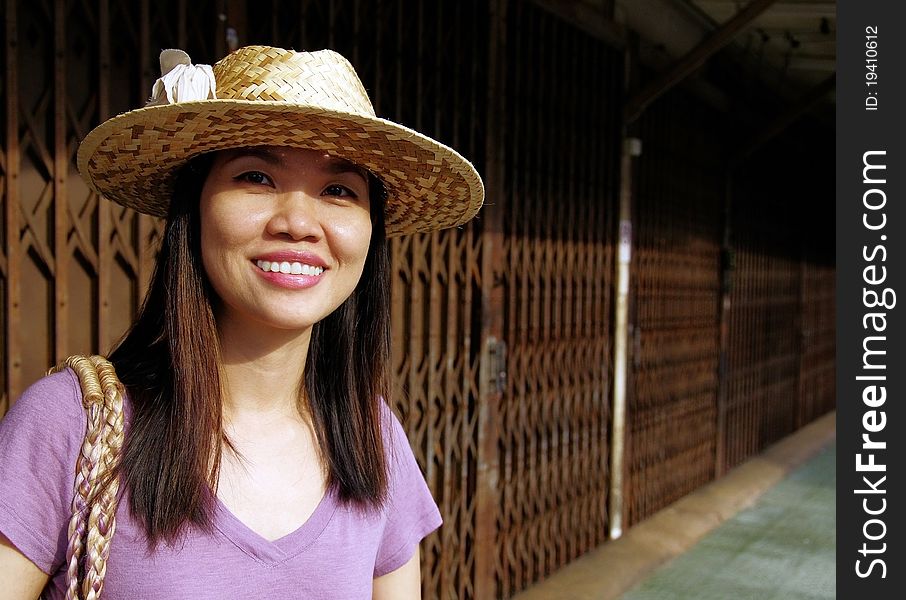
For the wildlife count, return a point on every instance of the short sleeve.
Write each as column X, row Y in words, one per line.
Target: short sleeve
column 411, row 511
column 39, row 442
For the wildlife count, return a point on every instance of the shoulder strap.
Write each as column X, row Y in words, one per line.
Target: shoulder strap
column 95, row 499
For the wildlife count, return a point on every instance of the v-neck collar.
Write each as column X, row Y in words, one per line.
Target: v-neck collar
column 282, row 549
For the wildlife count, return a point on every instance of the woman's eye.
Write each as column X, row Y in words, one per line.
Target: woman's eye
column 256, row 177
column 338, row 190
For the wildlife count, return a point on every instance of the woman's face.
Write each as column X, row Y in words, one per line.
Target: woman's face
column 284, row 234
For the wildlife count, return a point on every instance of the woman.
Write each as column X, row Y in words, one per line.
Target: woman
column 260, row 457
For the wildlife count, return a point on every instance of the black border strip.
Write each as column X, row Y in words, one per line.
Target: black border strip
column 871, row 228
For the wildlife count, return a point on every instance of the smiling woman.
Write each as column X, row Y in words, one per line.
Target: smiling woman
column 260, row 456
column 292, row 209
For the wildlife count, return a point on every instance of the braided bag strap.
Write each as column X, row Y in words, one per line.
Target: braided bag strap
column 93, row 519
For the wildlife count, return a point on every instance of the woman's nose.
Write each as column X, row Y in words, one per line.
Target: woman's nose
column 295, row 216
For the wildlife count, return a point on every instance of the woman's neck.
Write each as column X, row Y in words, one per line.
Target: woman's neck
column 262, row 370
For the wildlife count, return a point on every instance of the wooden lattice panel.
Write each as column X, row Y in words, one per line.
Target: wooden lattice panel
column 671, row 408
column 560, row 163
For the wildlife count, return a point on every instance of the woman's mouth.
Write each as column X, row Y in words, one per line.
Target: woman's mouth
column 289, row 267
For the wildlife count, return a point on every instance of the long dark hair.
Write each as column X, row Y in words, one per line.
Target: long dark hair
column 169, row 363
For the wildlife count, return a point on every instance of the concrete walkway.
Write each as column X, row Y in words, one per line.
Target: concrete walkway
column 765, row 531
column 783, row 548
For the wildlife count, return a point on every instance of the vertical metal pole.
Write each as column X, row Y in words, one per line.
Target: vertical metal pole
column 13, row 263
column 105, row 255
column 60, row 170
column 723, row 370
column 491, row 388
column 631, row 147
column 145, row 224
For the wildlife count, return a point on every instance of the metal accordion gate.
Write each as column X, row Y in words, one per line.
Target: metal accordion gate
column 561, row 180
column 671, row 412
column 500, row 359
column 780, row 372
column 502, row 329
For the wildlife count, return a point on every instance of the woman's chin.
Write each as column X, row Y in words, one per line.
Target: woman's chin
column 266, row 323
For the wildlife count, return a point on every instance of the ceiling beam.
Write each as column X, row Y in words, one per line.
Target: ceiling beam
column 783, row 121
column 597, row 22
column 694, row 59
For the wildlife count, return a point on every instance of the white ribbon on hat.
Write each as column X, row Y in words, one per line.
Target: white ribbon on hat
column 181, row 81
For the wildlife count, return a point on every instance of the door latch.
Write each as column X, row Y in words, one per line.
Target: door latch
column 496, row 364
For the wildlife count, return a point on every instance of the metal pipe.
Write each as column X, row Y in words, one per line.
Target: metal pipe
column 631, row 147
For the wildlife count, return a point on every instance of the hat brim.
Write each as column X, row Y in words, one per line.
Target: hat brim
column 132, row 158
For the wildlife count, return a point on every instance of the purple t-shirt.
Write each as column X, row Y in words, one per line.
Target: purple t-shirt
column 335, row 554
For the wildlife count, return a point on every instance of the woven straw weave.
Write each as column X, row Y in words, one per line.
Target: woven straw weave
column 93, row 519
column 274, row 97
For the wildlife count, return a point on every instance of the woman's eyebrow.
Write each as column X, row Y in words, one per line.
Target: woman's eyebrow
column 335, row 165
column 338, row 166
column 265, row 154
column 341, row 165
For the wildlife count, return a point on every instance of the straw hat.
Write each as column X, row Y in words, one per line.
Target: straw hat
column 263, row 96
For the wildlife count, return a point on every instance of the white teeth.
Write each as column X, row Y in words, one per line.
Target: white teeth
column 294, row 268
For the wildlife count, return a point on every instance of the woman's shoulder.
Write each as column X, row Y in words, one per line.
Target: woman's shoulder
column 411, row 511
column 406, row 475
column 55, row 398
column 395, row 438
column 40, row 438
column 48, row 415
